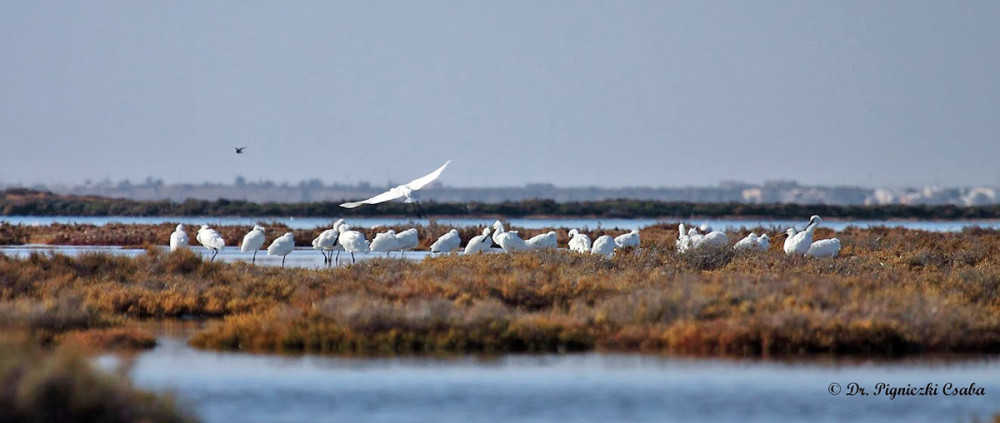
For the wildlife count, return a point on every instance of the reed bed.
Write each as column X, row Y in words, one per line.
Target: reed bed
column 890, row 292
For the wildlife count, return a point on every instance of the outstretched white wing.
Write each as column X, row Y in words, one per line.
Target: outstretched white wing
column 424, row 180
column 389, row 195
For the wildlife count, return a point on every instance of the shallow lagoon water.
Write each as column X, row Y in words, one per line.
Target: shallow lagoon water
column 552, row 388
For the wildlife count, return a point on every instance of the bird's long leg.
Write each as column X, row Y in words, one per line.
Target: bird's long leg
column 420, row 210
column 214, row 253
column 352, row 257
column 338, row 258
column 254, row 259
column 283, row 260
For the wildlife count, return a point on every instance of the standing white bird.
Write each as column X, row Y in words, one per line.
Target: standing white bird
column 824, row 248
column 798, row 243
column 750, row 242
column 178, row 239
column 546, row 240
column 604, row 245
column 326, row 243
column 684, row 241
column 384, row 242
column 509, row 241
column 579, row 242
column 630, row 239
column 479, row 243
column 352, row 241
column 282, row 246
column 252, row 241
column 210, row 239
column 407, row 190
column 447, row 242
column 407, row 240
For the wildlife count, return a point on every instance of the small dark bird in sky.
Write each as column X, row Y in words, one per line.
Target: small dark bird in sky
column 239, row 150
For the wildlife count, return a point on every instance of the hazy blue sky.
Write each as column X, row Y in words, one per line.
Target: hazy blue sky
column 609, row 93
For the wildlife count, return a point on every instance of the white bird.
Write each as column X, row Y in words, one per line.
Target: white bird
column 714, row 239
column 252, row 241
column 705, row 227
column 326, row 243
column 579, row 242
column 178, row 239
column 479, row 243
column 630, row 239
column 509, row 241
column 407, row 240
column 798, row 243
column 447, row 242
column 384, row 242
column 763, row 242
column 824, row 248
column 352, row 241
column 603, row 245
column 210, row 238
column 684, row 241
column 281, row 246
column 546, row 240
column 407, row 190
column 746, row 243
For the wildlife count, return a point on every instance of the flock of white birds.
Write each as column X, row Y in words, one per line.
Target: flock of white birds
column 341, row 238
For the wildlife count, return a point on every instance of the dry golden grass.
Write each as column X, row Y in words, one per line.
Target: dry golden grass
column 890, row 292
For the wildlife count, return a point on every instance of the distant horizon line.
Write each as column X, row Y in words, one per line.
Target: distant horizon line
column 316, row 182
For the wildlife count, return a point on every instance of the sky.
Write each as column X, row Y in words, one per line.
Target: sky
column 573, row 93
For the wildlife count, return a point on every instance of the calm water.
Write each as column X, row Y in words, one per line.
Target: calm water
column 552, row 388
column 310, row 223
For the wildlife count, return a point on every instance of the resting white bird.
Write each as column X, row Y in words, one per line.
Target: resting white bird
column 714, row 239
column 509, row 241
column 750, row 242
column 479, row 243
column 326, row 243
column 178, row 239
column 447, row 242
column 210, row 239
column 407, row 240
column 252, row 241
column 604, row 245
column 579, row 242
column 546, row 240
column 407, row 190
column 798, row 243
column 763, row 242
column 281, row 246
column 352, row 241
column 630, row 239
column 384, row 242
column 824, row 248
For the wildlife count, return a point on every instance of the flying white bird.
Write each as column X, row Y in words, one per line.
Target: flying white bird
column 509, row 241
column 210, row 239
column 252, row 241
column 407, row 240
column 604, row 245
column 178, row 239
column 546, row 240
column 479, row 243
column 352, row 241
column 579, row 242
column 447, row 242
column 384, row 242
column 824, row 248
column 630, row 239
column 282, row 246
column 405, row 190
column 798, row 243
